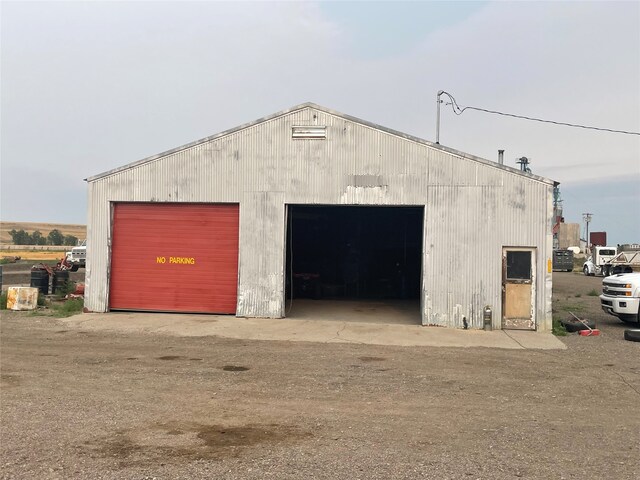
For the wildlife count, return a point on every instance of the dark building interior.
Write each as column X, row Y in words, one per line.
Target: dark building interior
column 352, row 252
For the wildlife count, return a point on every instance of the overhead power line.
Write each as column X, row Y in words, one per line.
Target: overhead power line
column 460, row 110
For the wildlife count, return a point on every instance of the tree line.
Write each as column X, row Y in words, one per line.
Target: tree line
column 55, row 237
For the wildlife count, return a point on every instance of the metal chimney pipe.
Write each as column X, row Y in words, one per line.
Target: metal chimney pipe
column 501, row 157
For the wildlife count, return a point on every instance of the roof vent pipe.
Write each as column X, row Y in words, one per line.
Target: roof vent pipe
column 501, row 157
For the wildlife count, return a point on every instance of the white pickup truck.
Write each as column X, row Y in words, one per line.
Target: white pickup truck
column 621, row 296
column 77, row 257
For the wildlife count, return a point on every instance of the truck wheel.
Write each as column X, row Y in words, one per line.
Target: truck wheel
column 633, row 335
column 586, row 270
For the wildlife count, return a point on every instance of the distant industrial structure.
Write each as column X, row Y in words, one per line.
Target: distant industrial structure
column 568, row 235
column 598, row 239
column 565, row 235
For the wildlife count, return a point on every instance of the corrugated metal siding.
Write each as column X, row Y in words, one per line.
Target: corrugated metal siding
column 261, row 276
column 465, row 230
column 471, row 209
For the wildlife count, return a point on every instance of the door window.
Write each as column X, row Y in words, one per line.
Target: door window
column 518, row 265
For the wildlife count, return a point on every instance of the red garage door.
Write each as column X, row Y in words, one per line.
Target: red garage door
column 174, row 257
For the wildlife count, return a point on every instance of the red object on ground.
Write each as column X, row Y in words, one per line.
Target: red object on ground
column 175, row 257
column 589, row 333
column 79, row 289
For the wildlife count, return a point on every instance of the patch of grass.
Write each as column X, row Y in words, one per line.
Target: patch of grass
column 58, row 308
column 65, row 289
column 68, row 308
column 572, row 307
column 558, row 329
column 593, row 293
column 578, row 295
column 3, row 301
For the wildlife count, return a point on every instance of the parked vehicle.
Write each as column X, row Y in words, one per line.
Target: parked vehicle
column 623, row 262
column 562, row 260
column 77, row 257
column 598, row 262
column 621, row 296
column 607, row 261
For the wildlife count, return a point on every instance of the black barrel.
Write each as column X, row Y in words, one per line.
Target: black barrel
column 60, row 278
column 40, row 280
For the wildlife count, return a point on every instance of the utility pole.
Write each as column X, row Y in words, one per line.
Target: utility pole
column 587, row 219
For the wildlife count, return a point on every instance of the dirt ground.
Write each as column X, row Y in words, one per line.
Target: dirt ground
column 78, row 404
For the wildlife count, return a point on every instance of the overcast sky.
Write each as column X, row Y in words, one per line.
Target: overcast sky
column 88, row 86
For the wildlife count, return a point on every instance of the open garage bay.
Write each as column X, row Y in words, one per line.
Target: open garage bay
column 353, row 260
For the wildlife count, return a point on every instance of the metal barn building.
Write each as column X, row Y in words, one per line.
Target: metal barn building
column 312, row 203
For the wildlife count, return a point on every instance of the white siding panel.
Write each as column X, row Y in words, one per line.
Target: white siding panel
column 261, row 271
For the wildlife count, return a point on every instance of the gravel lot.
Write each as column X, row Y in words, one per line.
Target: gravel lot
column 79, row 404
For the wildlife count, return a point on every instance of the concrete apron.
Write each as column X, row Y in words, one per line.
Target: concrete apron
column 311, row 330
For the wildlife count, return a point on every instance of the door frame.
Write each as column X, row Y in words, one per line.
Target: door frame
column 534, row 276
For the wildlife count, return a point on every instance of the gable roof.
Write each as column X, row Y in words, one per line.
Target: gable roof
column 302, row 106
